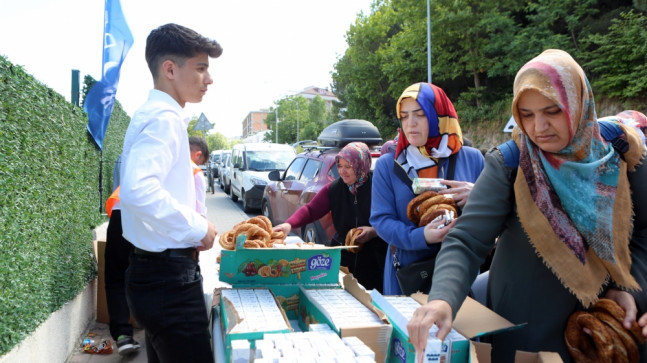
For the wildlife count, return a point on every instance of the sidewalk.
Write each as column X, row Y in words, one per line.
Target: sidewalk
column 223, row 213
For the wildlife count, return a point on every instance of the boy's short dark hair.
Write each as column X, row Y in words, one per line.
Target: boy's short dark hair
column 199, row 144
column 178, row 43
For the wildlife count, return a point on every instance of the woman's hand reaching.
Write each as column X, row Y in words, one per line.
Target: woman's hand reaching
column 283, row 227
column 368, row 233
column 459, row 189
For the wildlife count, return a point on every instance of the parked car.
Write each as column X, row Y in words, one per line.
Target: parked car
column 251, row 164
column 223, row 171
column 214, row 161
column 310, row 171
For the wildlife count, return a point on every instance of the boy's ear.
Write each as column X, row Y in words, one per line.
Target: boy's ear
column 168, row 67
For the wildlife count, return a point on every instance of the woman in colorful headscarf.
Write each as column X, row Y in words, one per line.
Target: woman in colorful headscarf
column 631, row 118
column 569, row 213
column 348, row 198
column 429, row 145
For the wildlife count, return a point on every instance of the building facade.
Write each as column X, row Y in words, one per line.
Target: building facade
column 311, row 92
column 254, row 123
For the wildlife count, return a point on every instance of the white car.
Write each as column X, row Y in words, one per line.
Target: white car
column 223, row 171
column 251, row 164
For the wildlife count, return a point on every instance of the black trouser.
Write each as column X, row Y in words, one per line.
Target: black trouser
column 118, row 251
column 166, row 298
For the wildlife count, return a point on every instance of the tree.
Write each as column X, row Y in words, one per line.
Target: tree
column 477, row 48
column 316, row 123
column 619, row 59
column 357, row 79
column 288, row 113
column 217, row 141
column 190, row 129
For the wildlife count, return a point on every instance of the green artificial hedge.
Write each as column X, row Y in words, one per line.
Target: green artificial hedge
column 49, row 200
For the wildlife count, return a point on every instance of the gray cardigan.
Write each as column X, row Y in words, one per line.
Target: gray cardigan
column 521, row 288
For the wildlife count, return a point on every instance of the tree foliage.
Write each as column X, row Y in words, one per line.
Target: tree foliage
column 191, row 131
column 217, row 141
column 620, row 57
column 477, row 46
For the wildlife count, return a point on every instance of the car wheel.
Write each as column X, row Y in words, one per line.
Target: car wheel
column 227, row 188
column 222, row 183
column 233, row 196
column 267, row 210
column 313, row 234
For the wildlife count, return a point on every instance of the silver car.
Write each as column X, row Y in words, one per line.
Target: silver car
column 224, row 168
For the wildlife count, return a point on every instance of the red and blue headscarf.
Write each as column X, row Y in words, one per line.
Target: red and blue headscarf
column 445, row 136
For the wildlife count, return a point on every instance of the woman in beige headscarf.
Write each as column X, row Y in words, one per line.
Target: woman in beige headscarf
column 565, row 226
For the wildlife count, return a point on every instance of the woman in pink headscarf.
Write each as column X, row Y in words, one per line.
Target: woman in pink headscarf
column 348, row 198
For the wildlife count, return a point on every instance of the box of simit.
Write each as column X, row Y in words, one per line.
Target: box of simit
column 292, row 263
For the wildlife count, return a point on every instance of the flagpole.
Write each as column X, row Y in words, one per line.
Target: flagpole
column 103, row 62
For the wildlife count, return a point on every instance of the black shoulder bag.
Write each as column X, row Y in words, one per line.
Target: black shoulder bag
column 417, row 276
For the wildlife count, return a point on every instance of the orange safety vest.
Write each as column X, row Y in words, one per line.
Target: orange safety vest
column 112, row 200
column 196, row 168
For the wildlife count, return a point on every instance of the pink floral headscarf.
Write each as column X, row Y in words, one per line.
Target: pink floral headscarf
column 358, row 156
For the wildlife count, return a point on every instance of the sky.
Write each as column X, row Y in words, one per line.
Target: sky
column 271, row 48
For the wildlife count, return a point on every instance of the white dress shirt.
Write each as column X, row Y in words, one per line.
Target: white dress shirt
column 157, row 197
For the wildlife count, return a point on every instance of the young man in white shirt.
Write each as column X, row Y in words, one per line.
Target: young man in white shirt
column 158, row 201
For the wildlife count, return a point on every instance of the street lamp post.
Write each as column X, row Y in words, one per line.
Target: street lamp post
column 276, row 129
column 428, row 43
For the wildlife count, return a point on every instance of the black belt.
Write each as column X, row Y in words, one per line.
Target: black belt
column 189, row 252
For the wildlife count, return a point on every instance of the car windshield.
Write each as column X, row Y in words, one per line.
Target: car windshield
column 268, row 160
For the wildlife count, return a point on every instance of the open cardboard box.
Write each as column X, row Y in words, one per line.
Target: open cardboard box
column 312, row 267
column 230, row 318
column 102, row 304
column 475, row 320
column 375, row 337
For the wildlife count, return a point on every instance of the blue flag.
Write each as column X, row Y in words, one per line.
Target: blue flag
column 117, row 40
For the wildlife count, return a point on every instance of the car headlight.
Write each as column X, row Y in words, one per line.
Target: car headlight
column 257, row 181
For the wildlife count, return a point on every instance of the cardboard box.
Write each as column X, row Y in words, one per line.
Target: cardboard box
column 473, row 320
column 230, row 319
column 455, row 348
column 480, row 352
column 286, row 266
column 376, row 337
column 300, row 267
column 102, row 305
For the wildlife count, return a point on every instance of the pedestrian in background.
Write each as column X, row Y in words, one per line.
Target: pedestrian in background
column 158, row 200
column 116, row 256
column 199, row 155
column 570, row 213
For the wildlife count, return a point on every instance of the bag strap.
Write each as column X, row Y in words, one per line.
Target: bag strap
column 451, row 168
column 399, row 171
column 510, row 152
